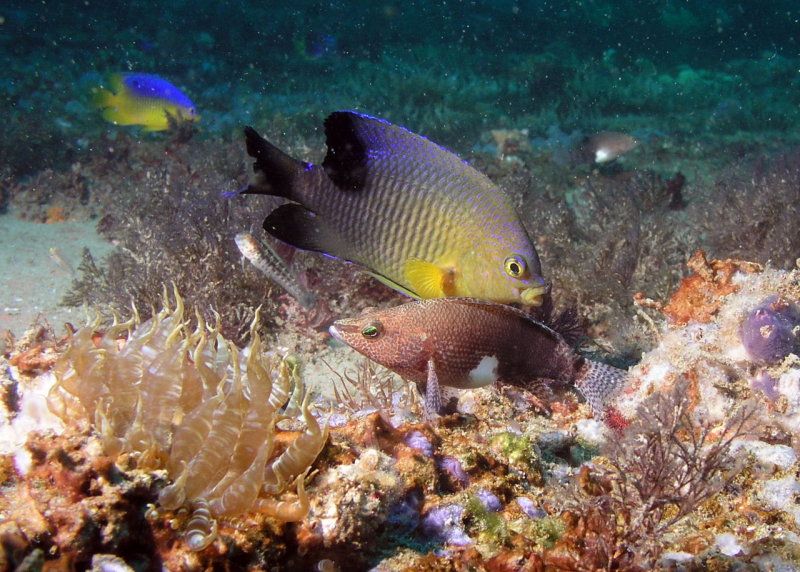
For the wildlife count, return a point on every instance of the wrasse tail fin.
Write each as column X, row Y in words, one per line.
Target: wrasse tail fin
column 599, row 383
column 267, row 261
column 296, row 225
column 275, row 170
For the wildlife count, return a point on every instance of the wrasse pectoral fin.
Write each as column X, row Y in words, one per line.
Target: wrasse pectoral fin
column 427, row 279
column 296, row 225
column 433, row 394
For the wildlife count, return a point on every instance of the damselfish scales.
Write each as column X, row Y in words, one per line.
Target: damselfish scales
column 415, row 215
column 467, row 343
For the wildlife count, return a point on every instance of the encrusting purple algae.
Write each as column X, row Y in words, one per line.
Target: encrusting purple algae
column 768, row 333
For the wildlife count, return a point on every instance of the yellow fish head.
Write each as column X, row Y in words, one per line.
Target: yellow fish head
column 513, row 278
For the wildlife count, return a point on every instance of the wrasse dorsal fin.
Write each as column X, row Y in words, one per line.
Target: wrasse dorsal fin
column 296, row 225
column 275, row 170
column 507, row 311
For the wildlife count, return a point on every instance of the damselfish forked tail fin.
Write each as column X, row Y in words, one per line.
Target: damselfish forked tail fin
column 275, row 170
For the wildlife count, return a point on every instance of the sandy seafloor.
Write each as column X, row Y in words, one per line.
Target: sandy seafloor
column 37, row 265
column 39, row 262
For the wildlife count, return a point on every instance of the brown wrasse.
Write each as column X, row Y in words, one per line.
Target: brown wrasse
column 415, row 215
column 468, row 343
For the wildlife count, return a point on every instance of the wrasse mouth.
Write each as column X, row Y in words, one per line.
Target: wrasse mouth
column 533, row 296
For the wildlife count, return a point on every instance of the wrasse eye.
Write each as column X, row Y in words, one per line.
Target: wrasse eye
column 373, row 330
column 515, row 266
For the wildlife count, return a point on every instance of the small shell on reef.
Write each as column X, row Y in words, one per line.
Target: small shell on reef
column 454, row 469
column 489, row 500
column 109, row 563
column 418, row 441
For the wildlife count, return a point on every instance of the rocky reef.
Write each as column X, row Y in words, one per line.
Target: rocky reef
column 696, row 469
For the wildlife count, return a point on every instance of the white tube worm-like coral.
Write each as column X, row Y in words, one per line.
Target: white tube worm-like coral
column 192, row 403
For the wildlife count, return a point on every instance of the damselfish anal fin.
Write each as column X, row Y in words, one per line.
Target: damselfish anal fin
column 275, row 170
column 296, row 225
column 393, row 285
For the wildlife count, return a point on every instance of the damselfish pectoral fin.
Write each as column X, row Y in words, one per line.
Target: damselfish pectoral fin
column 294, row 224
column 429, row 280
column 433, row 394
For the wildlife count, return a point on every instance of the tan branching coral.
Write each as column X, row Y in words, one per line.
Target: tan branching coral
column 195, row 405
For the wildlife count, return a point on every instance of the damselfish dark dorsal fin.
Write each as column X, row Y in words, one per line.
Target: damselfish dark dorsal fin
column 296, row 225
column 346, row 160
column 359, row 144
column 275, row 170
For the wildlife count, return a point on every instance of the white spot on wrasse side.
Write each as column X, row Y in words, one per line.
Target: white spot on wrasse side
column 484, row 373
column 603, row 155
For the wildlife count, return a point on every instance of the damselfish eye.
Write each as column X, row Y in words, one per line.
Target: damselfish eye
column 515, row 266
column 373, row 330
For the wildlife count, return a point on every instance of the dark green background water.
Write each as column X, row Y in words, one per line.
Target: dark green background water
column 447, row 69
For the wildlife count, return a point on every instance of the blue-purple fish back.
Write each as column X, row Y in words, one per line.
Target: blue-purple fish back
column 149, row 85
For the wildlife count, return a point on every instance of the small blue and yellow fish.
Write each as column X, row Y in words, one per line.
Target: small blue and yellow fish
column 416, row 216
column 143, row 99
column 467, row 343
